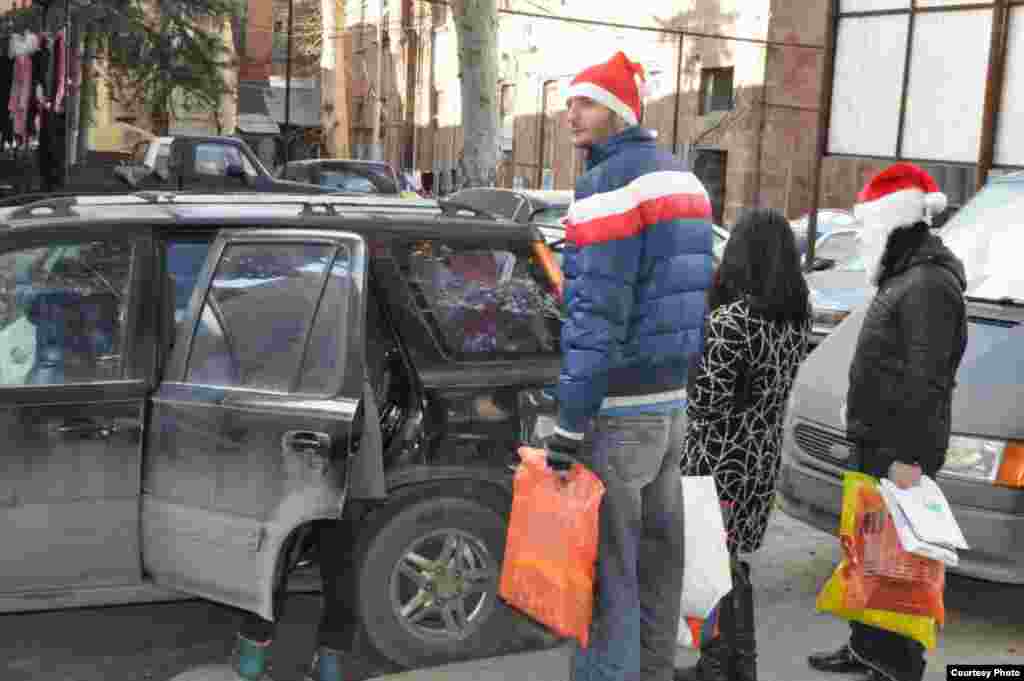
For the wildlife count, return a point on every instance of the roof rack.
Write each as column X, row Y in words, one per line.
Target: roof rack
column 453, row 208
column 52, row 207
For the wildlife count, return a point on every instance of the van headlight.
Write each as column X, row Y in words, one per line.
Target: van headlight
column 973, row 458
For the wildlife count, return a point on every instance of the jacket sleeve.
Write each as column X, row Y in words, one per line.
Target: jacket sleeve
column 713, row 390
column 929, row 316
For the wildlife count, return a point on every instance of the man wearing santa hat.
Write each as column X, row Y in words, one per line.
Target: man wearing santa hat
column 898, row 407
column 637, row 263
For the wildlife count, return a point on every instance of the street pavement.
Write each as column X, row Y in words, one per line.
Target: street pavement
column 985, row 624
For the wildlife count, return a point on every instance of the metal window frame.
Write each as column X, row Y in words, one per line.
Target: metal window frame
column 911, row 12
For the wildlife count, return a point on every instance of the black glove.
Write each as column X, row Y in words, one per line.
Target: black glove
column 561, row 452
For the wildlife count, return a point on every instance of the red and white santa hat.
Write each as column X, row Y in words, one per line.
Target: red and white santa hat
column 618, row 84
column 899, row 196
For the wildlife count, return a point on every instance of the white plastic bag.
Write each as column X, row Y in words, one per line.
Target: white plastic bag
column 706, row 575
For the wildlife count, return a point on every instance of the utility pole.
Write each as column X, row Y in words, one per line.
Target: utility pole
column 288, row 84
column 375, row 150
column 69, row 129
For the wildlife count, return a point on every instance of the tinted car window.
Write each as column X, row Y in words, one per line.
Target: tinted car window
column 327, row 344
column 485, row 303
column 257, row 314
column 62, row 313
column 551, row 215
column 215, row 159
column 364, row 178
column 184, row 260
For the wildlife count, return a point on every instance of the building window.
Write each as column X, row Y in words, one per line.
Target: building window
column 716, row 90
column 956, row 182
column 506, row 102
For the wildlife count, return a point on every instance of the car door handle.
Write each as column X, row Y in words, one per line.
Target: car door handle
column 306, row 442
column 87, row 429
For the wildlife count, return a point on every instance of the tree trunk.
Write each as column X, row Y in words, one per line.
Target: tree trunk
column 476, row 23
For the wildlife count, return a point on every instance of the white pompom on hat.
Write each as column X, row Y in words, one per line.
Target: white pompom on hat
column 901, row 195
column 618, row 84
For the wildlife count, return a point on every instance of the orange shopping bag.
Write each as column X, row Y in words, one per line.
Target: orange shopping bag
column 882, row 574
column 551, row 553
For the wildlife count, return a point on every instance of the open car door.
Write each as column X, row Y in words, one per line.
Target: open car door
column 252, row 427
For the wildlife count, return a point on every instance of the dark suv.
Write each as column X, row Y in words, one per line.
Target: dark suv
column 189, row 388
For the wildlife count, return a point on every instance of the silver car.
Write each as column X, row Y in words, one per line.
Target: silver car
column 983, row 477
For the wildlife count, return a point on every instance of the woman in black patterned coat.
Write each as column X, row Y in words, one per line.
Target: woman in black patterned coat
column 755, row 340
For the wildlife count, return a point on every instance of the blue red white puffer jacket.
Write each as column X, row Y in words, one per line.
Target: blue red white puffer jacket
column 637, row 263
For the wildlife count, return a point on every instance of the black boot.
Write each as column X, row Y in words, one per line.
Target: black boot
column 717, row 657
column 745, row 642
column 713, row 664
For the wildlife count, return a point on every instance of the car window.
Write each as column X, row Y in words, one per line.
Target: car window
column 485, row 304
column 296, row 173
column 185, row 259
column 364, row 178
column 328, row 342
column 551, row 215
column 346, row 181
column 844, row 249
column 257, row 315
column 215, row 159
column 163, row 159
column 62, row 313
column 986, row 236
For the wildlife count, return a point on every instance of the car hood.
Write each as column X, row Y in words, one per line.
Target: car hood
column 838, row 290
column 989, row 397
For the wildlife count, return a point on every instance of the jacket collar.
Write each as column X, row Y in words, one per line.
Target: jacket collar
column 931, row 250
column 600, row 152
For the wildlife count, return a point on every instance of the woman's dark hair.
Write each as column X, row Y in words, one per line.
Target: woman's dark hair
column 762, row 265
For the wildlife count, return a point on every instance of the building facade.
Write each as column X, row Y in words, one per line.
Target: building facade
column 737, row 91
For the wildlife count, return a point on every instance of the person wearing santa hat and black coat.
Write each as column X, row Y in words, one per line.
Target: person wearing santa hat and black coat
column 898, row 407
column 637, row 264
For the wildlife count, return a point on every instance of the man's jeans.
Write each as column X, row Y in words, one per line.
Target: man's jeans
column 640, row 554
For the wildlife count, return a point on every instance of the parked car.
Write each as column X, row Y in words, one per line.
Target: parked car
column 345, row 175
column 829, row 220
column 197, row 163
column 983, row 476
column 182, row 395
column 546, row 207
column 837, row 281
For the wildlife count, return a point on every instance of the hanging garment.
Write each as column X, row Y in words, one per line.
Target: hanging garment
column 38, row 104
column 6, row 81
column 60, row 70
column 21, row 50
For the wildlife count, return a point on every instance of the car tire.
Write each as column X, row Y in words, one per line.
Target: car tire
column 437, row 548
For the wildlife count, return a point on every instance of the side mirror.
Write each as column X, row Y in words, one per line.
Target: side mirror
column 235, row 170
column 821, row 264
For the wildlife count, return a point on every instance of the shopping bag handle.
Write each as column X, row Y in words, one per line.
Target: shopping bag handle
column 559, row 461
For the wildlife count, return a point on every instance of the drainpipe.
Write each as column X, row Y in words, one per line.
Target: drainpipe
column 375, row 149
column 679, row 94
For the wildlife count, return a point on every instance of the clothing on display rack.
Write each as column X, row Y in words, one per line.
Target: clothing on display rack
column 6, row 80
column 21, row 50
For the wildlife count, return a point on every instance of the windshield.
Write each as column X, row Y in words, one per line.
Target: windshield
column 986, row 235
